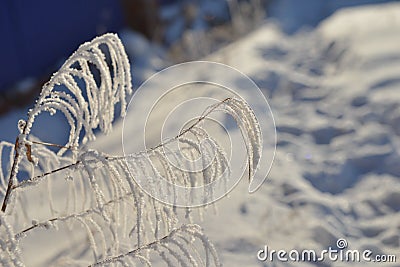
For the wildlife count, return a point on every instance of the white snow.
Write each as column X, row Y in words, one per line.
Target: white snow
column 334, row 94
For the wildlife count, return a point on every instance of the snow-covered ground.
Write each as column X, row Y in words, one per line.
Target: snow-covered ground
column 335, row 96
column 334, row 93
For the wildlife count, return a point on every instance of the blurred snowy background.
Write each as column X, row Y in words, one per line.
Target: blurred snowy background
column 329, row 69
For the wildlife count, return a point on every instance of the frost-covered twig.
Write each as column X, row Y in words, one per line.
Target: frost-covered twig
column 84, row 112
column 9, row 246
column 176, row 244
column 108, row 201
column 230, row 105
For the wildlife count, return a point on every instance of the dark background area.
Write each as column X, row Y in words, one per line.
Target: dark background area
column 39, row 36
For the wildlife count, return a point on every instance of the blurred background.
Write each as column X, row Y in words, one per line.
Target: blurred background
column 39, row 36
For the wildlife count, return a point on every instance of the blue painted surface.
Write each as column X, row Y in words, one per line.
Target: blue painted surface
column 36, row 35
